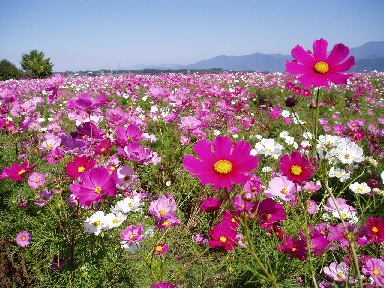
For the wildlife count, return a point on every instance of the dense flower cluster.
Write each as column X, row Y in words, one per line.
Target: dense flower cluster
column 126, row 155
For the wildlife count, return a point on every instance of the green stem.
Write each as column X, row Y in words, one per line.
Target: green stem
column 307, row 231
column 351, row 242
column 252, row 252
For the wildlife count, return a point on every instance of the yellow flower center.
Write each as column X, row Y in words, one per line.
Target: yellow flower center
column 296, row 170
column 284, row 191
column 223, row 167
column 166, row 223
column 376, row 272
column 374, row 229
column 81, row 169
column 293, row 249
column 321, row 67
column 22, row 171
column 223, row 239
column 97, row 190
column 132, row 236
column 115, row 221
column 97, row 223
column 162, row 212
column 339, row 275
column 23, row 238
column 158, row 248
column 37, row 180
column 268, row 216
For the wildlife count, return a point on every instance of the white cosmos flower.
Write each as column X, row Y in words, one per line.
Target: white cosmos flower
column 268, row 147
column 285, row 113
column 112, row 221
column 339, row 173
column 128, row 204
column 94, row 223
column 360, row 188
column 284, row 134
column 131, row 248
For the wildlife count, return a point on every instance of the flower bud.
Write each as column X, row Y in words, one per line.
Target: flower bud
column 290, row 101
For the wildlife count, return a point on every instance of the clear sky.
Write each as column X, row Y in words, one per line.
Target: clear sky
column 112, row 34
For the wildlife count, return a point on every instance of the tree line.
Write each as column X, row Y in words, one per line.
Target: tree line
column 33, row 64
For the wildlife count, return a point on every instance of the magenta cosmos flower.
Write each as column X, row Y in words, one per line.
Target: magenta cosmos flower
column 296, row 167
column 95, row 183
column 318, row 68
column 223, row 236
column 23, row 238
column 17, row 172
column 78, row 166
column 221, row 163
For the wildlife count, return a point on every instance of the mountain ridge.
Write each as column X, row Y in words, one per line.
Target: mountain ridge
column 369, row 56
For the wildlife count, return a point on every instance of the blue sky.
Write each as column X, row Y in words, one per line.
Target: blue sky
column 112, row 34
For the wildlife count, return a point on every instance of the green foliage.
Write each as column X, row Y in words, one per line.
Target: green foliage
column 35, row 65
column 8, row 70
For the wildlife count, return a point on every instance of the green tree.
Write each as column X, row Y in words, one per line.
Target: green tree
column 8, row 70
column 35, row 65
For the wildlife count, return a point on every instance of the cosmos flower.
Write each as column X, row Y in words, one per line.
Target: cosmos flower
column 375, row 268
column 296, row 167
column 163, row 285
column 375, row 227
column 36, row 180
column 220, row 163
column 17, row 172
column 79, row 165
column 337, row 272
column 318, row 68
column 23, row 239
column 223, row 236
column 95, row 184
column 160, row 248
column 210, row 204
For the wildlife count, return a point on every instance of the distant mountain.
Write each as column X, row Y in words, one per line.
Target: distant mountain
column 368, row 57
column 160, row 66
column 369, row 50
column 252, row 62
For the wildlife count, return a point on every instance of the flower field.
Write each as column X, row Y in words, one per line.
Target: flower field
column 195, row 180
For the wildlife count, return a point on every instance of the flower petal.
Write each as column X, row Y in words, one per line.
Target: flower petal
column 338, row 54
column 302, row 56
column 320, row 50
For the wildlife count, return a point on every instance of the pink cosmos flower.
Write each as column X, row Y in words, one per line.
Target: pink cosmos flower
column 210, row 204
column 312, row 207
column 296, row 167
column 103, row 148
column 95, row 183
column 36, row 180
column 163, row 207
column 43, row 197
column 220, row 163
column 128, row 134
column 23, row 239
column 54, row 156
column 281, row 187
column 337, row 272
column 17, row 172
column 132, row 234
column 294, row 247
column 375, row 228
column 79, row 165
column 318, row 68
column 190, row 122
column 160, row 248
column 375, row 268
column 269, row 213
column 163, row 285
column 223, row 236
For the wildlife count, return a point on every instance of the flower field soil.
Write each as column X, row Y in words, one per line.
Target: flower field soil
column 195, row 180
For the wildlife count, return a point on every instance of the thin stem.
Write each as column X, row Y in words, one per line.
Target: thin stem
column 351, row 242
column 308, row 241
column 252, row 252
